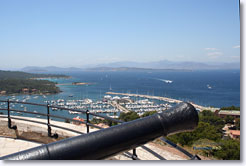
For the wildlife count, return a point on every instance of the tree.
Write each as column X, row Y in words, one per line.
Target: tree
column 209, row 117
column 207, row 131
column 207, row 113
column 129, row 116
column 203, row 131
column 230, row 150
column 229, row 119
column 209, row 127
column 237, row 123
column 148, row 113
column 230, row 108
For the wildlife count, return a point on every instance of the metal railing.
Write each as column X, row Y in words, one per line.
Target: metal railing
column 86, row 122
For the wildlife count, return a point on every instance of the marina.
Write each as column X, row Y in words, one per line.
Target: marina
column 109, row 105
column 199, row 107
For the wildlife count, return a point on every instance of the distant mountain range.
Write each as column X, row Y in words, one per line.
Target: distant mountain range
column 129, row 69
column 165, row 64
column 137, row 66
column 35, row 69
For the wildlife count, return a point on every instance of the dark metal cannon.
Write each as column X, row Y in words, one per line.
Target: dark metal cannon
column 108, row 142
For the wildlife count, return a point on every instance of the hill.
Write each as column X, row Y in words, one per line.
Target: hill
column 48, row 69
column 15, row 82
column 24, row 75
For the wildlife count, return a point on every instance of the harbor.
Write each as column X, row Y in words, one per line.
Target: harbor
column 109, row 105
column 166, row 99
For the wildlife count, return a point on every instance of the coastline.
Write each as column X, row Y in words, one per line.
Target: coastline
column 44, row 78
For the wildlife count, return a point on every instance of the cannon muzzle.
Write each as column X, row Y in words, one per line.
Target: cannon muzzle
column 107, row 142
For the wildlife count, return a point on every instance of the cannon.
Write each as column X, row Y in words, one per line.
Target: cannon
column 108, row 142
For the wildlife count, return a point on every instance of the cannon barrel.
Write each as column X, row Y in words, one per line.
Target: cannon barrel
column 107, row 142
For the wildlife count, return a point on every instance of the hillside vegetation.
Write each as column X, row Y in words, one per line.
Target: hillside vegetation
column 15, row 82
column 207, row 139
column 24, row 75
column 209, row 134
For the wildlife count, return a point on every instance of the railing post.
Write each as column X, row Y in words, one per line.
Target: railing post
column 87, row 121
column 9, row 120
column 110, row 123
column 48, row 120
column 134, row 154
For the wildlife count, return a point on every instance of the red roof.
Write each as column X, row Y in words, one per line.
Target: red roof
column 235, row 132
column 78, row 118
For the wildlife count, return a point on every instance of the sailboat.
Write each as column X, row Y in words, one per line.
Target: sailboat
column 110, row 88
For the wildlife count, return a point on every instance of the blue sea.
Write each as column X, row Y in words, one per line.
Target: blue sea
column 215, row 88
column 187, row 86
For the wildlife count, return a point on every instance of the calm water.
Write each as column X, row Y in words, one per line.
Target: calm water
column 188, row 86
column 207, row 88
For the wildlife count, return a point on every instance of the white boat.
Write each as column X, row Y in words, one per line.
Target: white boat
column 107, row 97
column 60, row 100
column 54, row 109
column 166, row 81
column 116, row 98
column 74, row 112
column 60, row 104
column 88, row 101
column 209, row 87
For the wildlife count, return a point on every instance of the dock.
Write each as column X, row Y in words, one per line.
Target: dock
column 119, row 107
column 170, row 100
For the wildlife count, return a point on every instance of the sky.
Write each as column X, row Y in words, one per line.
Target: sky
column 75, row 33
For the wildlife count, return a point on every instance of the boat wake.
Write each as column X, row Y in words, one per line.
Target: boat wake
column 166, row 81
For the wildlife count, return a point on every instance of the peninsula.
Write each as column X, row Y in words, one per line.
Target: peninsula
column 76, row 83
column 15, row 82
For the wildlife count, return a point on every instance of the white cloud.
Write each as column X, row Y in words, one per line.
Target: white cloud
column 211, row 49
column 214, row 54
column 238, row 46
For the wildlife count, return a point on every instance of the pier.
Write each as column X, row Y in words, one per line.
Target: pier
column 170, row 100
column 119, row 107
